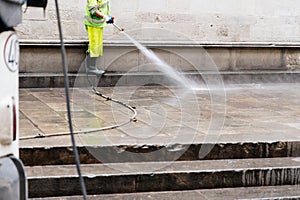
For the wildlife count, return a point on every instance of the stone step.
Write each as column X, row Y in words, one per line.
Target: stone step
column 249, row 193
column 63, row 155
column 37, row 56
column 49, row 181
column 53, row 80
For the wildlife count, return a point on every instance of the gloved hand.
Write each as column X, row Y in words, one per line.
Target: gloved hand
column 109, row 19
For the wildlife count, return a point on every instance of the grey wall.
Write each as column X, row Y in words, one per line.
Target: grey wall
column 200, row 20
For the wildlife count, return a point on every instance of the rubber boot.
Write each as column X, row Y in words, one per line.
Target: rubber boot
column 91, row 66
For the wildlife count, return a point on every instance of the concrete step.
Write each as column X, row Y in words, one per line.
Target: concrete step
column 50, row 181
column 39, row 56
column 63, row 155
column 53, row 80
column 254, row 193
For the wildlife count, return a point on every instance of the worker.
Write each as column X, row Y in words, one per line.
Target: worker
column 96, row 17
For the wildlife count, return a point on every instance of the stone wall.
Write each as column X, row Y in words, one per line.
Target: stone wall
column 201, row 20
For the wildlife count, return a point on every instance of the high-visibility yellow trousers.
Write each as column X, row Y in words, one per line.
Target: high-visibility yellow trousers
column 95, row 41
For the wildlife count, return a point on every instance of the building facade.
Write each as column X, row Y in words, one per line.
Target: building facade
column 211, row 21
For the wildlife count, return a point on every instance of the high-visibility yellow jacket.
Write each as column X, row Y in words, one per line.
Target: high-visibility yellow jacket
column 90, row 19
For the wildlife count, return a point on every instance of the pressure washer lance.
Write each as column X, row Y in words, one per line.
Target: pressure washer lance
column 118, row 27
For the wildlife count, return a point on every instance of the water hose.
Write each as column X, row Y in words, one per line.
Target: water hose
column 131, row 119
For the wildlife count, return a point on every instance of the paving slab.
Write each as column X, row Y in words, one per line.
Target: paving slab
column 232, row 114
column 235, row 121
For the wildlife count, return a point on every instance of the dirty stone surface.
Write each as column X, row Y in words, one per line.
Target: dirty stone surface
column 273, row 192
column 164, row 115
column 246, row 113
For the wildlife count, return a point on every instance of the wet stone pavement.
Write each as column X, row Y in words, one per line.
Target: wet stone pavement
column 165, row 115
column 251, row 131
